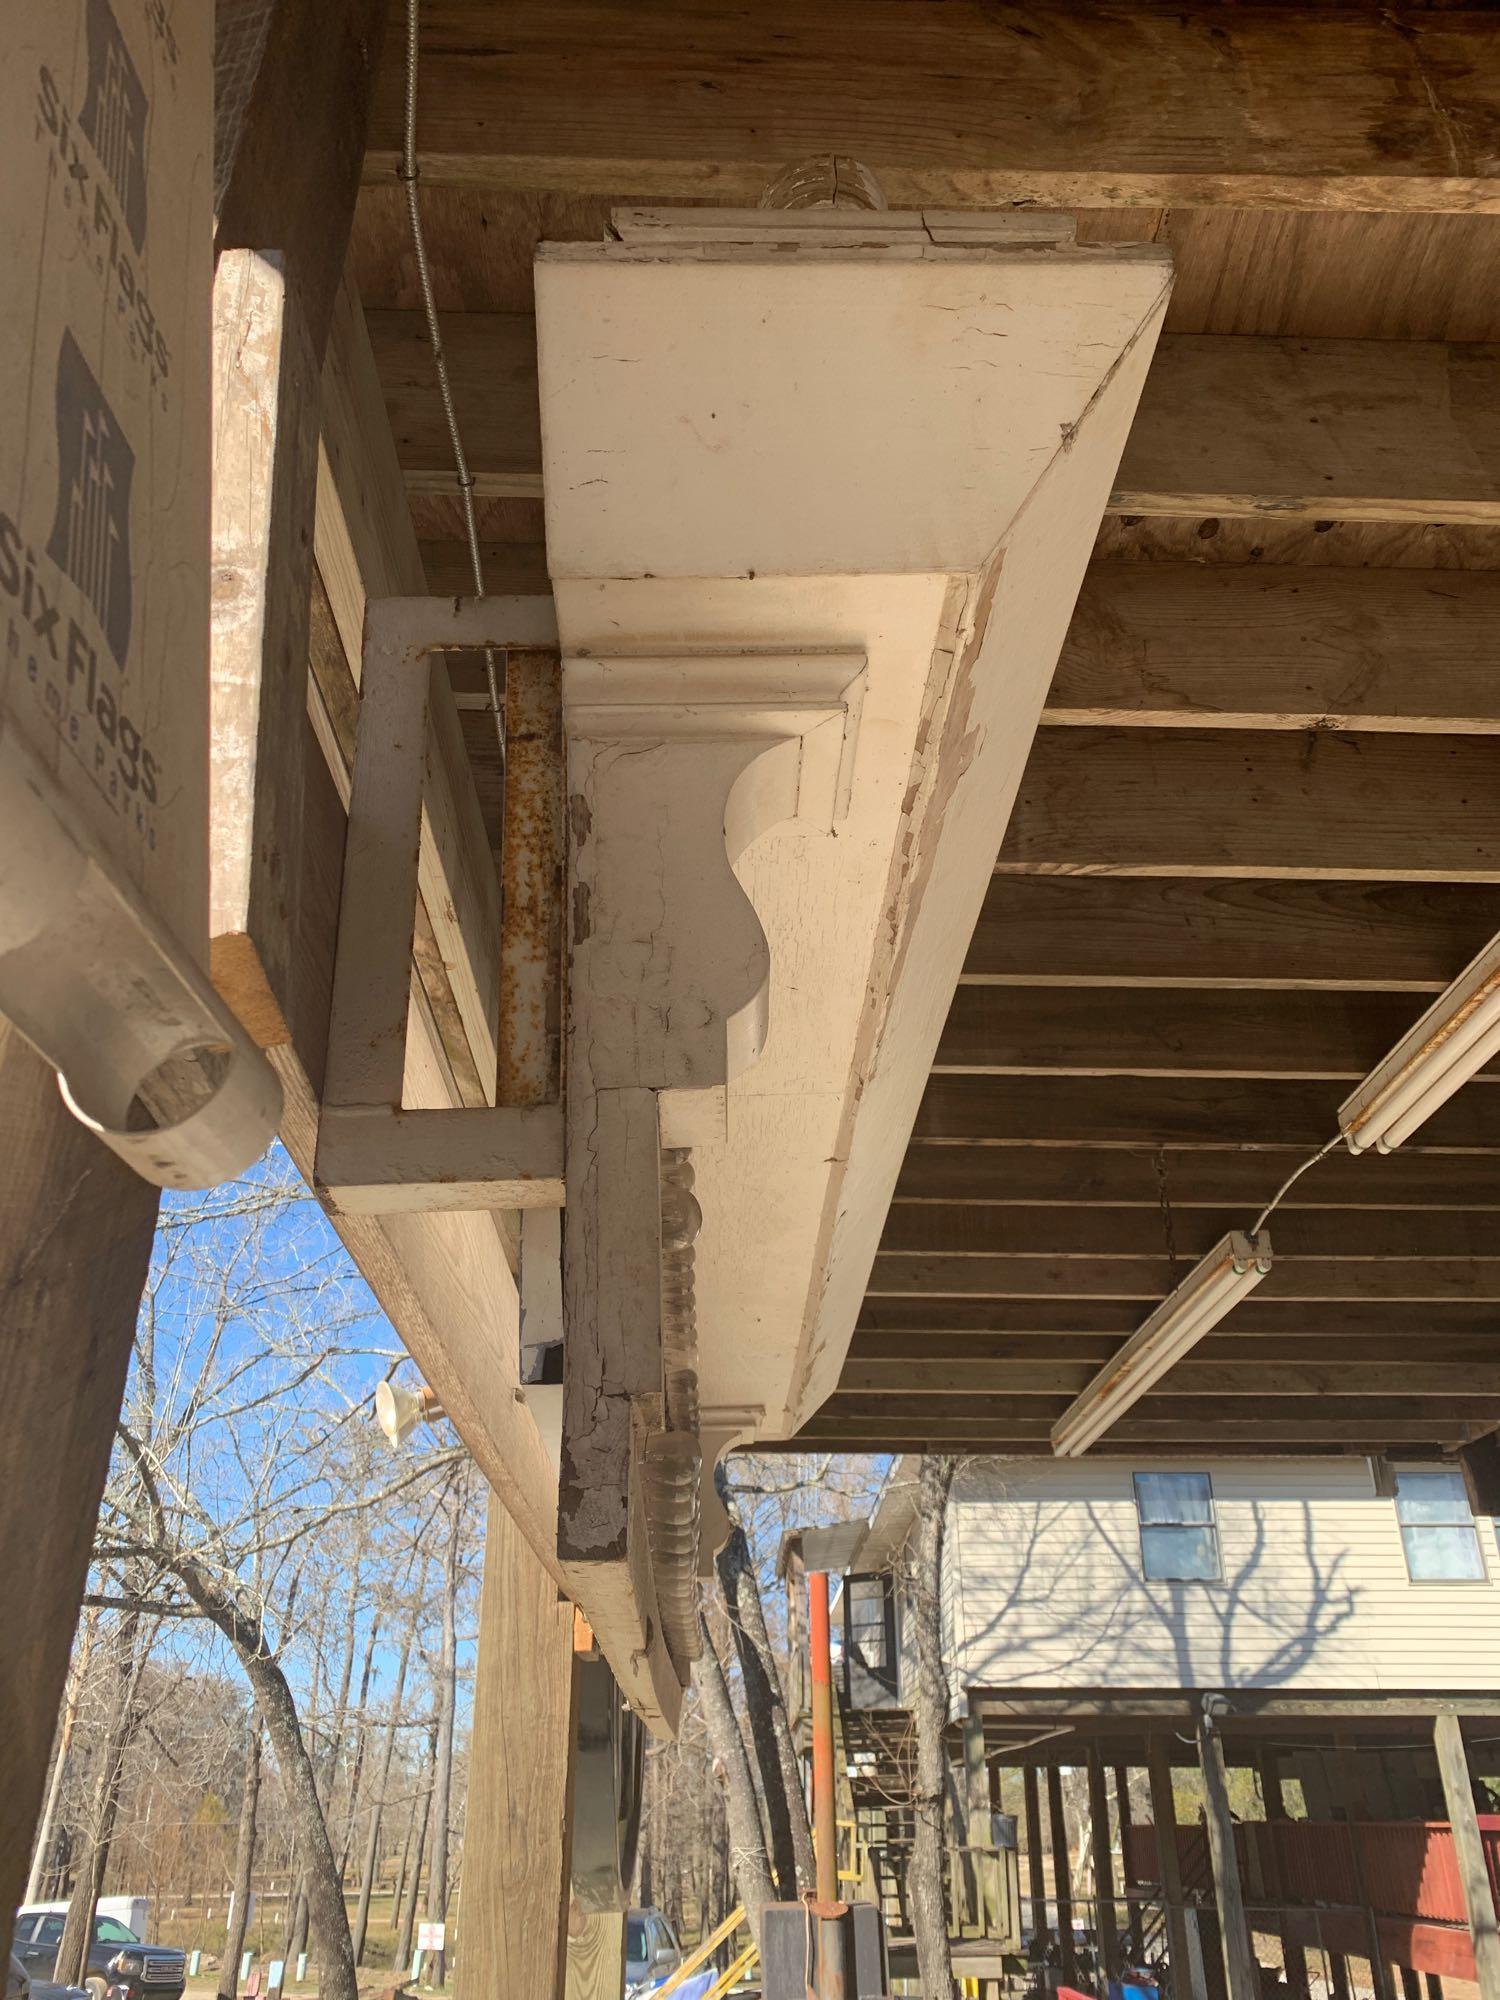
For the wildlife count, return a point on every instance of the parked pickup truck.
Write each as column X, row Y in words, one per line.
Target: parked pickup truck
column 118, row 1960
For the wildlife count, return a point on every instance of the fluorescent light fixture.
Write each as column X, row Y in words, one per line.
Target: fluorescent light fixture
column 1234, row 1266
column 1455, row 1038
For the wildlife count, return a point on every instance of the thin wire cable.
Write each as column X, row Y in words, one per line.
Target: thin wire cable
column 1292, row 1178
column 409, row 173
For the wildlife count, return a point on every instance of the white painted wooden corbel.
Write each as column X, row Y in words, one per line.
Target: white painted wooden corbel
column 375, row 1156
column 677, row 763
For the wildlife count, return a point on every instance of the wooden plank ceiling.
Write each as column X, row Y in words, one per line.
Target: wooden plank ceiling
column 1261, row 822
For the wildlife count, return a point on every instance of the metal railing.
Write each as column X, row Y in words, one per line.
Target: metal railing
column 1335, row 1951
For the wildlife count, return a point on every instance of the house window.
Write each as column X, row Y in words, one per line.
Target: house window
column 1437, row 1528
column 867, row 1622
column 1179, row 1541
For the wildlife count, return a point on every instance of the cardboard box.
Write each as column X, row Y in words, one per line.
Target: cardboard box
column 106, row 229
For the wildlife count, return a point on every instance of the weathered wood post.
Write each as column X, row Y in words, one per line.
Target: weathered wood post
column 1239, row 1957
column 514, row 1903
column 1183, row 1946
column 1479, row 1900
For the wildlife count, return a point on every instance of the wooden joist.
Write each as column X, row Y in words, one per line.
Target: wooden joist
column 1257, row 1320
column 1215, row 1399
column 1176, row 1111
column 885, row 1427
column 1228, row 425
column 1169, row 1031
column 974, row 1229
column 1344, row 430
column 982, row 1360
column 1326, row 107
column 1250, row 1376
column 1314, row 805
column 1351, row 1279
column 1207, row 1177
column 1408, row 937
column 1170, row 645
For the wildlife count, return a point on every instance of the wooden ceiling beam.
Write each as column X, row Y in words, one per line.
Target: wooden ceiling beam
column 1193, row 1177
column 1256, row 1319
column 1172, row 645
column 1310, row 1279
column 1177, row 1111
column 1313, row 805
column 1408, row 937
column 1329, row 1379
column 1235, row 425
column 956, row 106
column 1169, row 1031
column 895, row 1430
column 959, row 1229
column 890, row 1353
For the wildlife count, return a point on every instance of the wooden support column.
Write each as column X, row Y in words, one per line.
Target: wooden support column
column 75, row 1239
column 1240, row 1970
column 596, row 1955
column 1293, row 1953
column 1036, row 1880
column 977, row 1815
column 513, row 1914
column 1106, row 1930
column 1479, row 1901
column 1131, row 1947
column 1186, row 1957
column 288, row 208
column 1062, row 1884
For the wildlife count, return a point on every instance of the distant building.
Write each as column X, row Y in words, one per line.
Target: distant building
column 1312, row 1618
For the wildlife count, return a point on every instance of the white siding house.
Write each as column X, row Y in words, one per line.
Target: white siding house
column 1047, row 1585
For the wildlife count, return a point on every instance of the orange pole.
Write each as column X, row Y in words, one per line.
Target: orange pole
column 824, row 1836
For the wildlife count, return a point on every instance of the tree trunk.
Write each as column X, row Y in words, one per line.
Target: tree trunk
column 747, row 1844
column 377, row 1809
column 413, row 1887
column 244, row 1865
column 296, row 1930
column 325, row 1893
column 925, row 1879
column 361, row 1740
column 765, row 1704
column 442, row 1777
column 72, row 1962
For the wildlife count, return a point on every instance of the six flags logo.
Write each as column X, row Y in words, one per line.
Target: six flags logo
column 114, row 116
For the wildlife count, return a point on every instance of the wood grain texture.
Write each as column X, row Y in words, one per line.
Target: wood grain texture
column 888, row 1360
column 1351, row 1279
column 958, row 105
column 1468, row 1849
column 1372, row 431
column 1317, row 274
column 1256, row 1320
column 1169, row 1031
column 1176, row 1111
column 596, row 1955
column 513, row 1912
column 1331, row 430
column 974, row 1229
column 73, row 1257
column 315, row 79
column 1314, row 805
column 1166, row 645
column 1407, row 937
column 366, row 548
column 1326, row 1380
